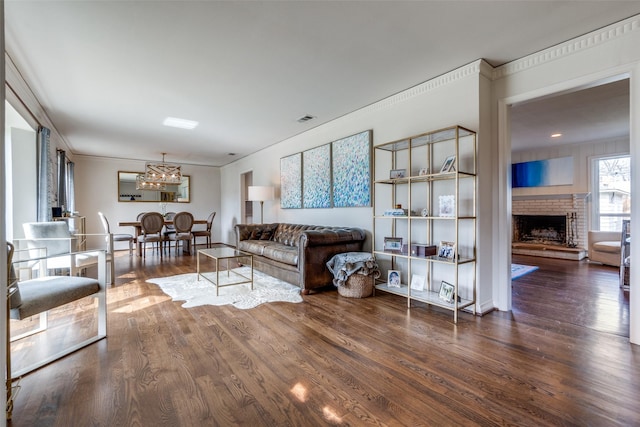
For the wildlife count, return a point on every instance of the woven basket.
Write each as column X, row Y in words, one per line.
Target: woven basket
column 357, row 286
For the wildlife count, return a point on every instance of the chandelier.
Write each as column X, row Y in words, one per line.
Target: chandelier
column 158, row 175
column 143, row 184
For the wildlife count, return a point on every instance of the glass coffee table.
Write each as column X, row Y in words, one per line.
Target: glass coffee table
column 226, row 277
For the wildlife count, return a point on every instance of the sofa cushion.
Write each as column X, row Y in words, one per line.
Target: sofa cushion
column 272, row 250
column 255, row 234
column 282, row 253
column 607, row 246
column 267, row 231
column 256, row 247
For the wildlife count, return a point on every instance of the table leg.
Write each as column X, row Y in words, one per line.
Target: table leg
column 138, row 244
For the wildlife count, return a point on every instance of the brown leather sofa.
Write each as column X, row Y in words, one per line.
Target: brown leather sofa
column 297, row 253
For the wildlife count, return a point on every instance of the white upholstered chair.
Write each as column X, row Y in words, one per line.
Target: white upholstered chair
column 605, row 247
column 54, row 241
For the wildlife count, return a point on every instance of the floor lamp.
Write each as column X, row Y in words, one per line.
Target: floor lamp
column 257, row 193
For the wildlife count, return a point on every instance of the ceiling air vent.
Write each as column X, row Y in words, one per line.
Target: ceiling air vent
column 305, row 118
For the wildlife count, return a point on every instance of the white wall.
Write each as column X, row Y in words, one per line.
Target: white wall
column 581, row 153
column 97, row 190
column 445, row 101
column 22, row 180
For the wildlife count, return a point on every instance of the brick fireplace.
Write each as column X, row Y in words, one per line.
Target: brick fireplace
column 547, row 229
column 544, row 225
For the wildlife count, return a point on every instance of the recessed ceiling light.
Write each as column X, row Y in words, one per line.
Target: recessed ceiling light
column 180, row 123
column 556, row 135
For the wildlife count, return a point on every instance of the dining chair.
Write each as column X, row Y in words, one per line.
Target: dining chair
column 151, row 225
column 169, row 229
column 204, row 233
column 109, row 239
column 183, row 222
column 117, row 237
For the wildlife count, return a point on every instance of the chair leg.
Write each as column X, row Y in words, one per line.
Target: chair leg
column 112, row 271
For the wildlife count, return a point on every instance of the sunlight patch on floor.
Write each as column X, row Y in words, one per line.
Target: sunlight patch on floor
column 300, row 392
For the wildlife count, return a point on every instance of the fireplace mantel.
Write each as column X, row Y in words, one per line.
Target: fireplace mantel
column 581, row 196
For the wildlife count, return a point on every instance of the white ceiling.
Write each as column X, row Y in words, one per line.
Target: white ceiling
column 597, row 113
column 109, row 72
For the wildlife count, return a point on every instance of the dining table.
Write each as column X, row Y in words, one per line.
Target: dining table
column 138, row 231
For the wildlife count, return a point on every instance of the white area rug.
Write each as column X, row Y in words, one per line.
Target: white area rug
column 186, row 287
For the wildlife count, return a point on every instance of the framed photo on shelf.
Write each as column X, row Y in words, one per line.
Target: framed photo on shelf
column 423, row 172
column 393, row 244
column 448, row 165
column 447, row 250
column 417, row 282
column 447, row 205
column 397, row 173
column 446, row 293
column 393, row 279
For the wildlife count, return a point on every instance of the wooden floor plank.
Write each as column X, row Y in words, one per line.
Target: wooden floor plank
column 561, row 357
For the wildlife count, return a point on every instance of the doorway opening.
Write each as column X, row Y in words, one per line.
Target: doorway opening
column 579, row 124
column 246, row 208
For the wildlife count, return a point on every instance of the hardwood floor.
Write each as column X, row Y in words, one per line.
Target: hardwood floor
column 340, row 361
column 581, row 293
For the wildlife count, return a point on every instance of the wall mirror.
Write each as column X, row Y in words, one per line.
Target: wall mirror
column 172, row 194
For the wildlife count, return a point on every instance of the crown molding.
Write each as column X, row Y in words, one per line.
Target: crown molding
column 478, row 67
column 576, row 45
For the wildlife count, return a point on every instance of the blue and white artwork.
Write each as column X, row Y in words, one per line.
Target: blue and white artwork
column 291, row 181
column 351, row 166
column 316, row 177
column 542, row 173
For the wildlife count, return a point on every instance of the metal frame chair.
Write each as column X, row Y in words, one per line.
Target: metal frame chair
column 37, row 296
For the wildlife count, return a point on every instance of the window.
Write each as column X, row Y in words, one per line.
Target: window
column 611, row 192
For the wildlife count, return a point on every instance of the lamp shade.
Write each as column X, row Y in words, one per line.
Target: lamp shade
column 258, row 193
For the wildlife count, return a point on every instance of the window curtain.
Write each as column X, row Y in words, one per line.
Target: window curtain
column 71, row 187
column 62, row 180
column 44, row 206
